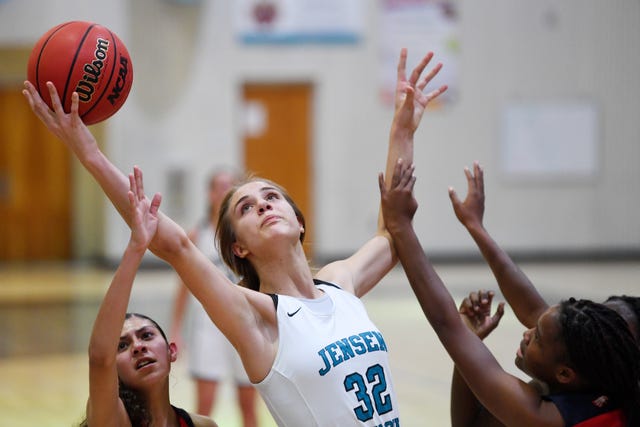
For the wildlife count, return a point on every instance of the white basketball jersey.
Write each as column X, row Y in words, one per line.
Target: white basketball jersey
column 332, row 366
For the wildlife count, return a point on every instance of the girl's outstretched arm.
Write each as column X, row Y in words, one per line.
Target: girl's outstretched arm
column 245, row 317
column 512, row 401
column 367, row 266
column 466, row 410
column 104, row 399
column 520, row 293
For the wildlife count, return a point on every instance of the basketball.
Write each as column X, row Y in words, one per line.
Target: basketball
column 87, row 58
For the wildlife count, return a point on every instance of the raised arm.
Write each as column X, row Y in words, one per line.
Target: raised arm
column 242, row 315
column 104, row 399
column 365, row 268
column 70, row 129
column 466, row 410
column 410, row 104
column 516, row 287
column 511, row 400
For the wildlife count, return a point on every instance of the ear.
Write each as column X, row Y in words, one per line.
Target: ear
column 565, row 375
column 173, row 352
column 239, row 250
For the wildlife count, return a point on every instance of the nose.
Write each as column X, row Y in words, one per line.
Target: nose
column 264, row 206
column 527, row 335
column 139, row 346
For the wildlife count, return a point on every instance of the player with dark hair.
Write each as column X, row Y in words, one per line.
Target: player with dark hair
column 582, row 350
column 129, row 354
column 304, row 337
column 517, row 289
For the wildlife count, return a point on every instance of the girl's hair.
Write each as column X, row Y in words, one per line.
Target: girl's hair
column 603, row 351
column 632, row 315
column 142, row 316
column 134, row 402
column 226, row 235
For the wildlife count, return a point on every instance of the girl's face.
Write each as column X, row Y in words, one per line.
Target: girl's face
column 542, row 349
column 260, row 213
column 143, row 354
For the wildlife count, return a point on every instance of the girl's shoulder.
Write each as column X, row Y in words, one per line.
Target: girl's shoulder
column 337, row 274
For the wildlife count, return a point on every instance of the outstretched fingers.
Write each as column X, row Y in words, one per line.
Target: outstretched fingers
column 58, row 108
column 407, row 179
column 498, row 314
column 471, row 181
column 155, row 204
column 137, row 183
column 75, row 116
column 55, row 99
column 402, row 65
column 136, row 192
column 475, row 179
column 478, row 173
column 417, row 72
column 38, row 106
column 27, row 92
column 398, row 172
column 54, row 116
column 402, row 177
column 430, row 75
column 436, row 93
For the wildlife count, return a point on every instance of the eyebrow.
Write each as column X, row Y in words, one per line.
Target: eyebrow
column 137, row 331
column 241, row 199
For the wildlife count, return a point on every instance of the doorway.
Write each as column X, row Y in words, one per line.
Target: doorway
column 277, row 141
column 35, row 185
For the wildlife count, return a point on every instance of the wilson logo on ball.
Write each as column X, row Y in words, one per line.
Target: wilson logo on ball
column 85, row 87
column 87, row 58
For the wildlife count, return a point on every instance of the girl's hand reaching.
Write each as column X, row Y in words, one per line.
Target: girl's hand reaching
column 475, row 310
column 144, row 212
column 410, row 101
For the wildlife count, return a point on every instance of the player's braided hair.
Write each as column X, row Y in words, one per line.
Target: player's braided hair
column 603, row 351
column 632, row 302
column 633, row 305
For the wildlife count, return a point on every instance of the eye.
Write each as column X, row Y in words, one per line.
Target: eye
column 122, row 345
column 271, row 196
column 244, row 208
column 147, row 335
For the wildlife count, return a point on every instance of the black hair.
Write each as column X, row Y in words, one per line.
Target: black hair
column 142, row 316
column 630, row 311
column 602, row 350
column 134, row 402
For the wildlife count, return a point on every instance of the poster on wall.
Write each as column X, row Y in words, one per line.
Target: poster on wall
column 550, row 140
column 421, row 26
column 298, row 21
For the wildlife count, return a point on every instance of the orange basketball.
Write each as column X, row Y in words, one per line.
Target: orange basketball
column 87, row 58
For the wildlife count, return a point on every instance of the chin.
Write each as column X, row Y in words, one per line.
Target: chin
column 519, row 363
